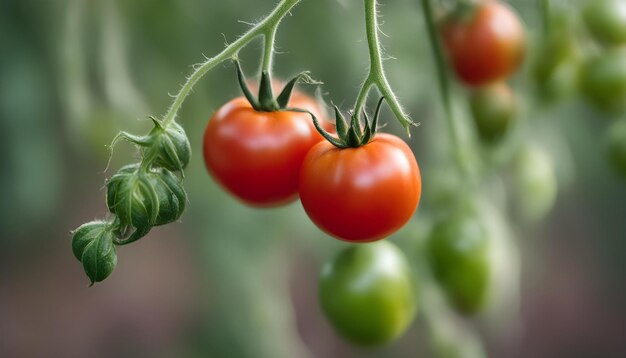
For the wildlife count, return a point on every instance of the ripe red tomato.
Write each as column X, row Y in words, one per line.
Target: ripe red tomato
column 486, row 46
column 256, row 156
column 361, row 194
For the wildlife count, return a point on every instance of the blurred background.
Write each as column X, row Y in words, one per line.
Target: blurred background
column 231, row 281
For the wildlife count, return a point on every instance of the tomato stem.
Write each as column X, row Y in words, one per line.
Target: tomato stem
column 268, row 52
column 376, row 75
column 264, row 27
column 444, row 86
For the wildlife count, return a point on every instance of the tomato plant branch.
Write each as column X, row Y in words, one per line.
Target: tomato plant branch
column 376, row 75
column 444, row 85
column 148, row 194
column 265, row 27
column 268, row 53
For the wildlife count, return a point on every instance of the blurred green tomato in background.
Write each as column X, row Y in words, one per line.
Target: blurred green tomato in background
column 617, row 146
column 458, row 250
column 535, row 183
column 493, row 109
column 367, row 292
column 606, row 20
column 556, row 64
column 603, row 80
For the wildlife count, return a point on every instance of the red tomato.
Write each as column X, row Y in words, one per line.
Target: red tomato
column 361, row 194
column 487, row 46
column 256, row 156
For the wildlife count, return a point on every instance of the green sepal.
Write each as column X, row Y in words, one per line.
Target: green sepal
column 352, row 136
column 283, row 98
column 143, row 198
column 131, row 195
column 370, row 129
column 244, row 87
column 171, row 196
column 169, row 147
column 353, row 139
column 340, row 124
column 267, row 102
column 379, row 105
column 355, row 124
column 463, row 12
column 334, row 141
column 125, row 234
column 143, row 141
column 367, row 131
column 92, row 244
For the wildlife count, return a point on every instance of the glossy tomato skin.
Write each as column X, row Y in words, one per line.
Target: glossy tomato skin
column 493, row 109
column 256, row 156
column 485, row 46
column 368, row 294
column 361, row 194
column 606, row 20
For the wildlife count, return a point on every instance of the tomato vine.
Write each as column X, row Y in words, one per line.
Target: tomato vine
column 148, row 193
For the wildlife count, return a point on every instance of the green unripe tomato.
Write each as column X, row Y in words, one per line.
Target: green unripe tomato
column 368, row 294
column 603, row 80
column 493, row 109
column 557, row 59
column 535, row 182
column 458, row 250
column 617, row 146
column 606, row 20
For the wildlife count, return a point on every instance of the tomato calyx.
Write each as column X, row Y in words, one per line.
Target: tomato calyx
column 266, row 101
column 166, row 147
column 463, row 12
column 352, row 135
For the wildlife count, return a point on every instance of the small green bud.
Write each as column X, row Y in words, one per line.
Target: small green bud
column 92, row 244
column 172, row 196
column 169, row 147
column 143, row 198
column 132, row 197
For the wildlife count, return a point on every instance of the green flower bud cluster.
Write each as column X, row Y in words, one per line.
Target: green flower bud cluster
column 140, row 196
